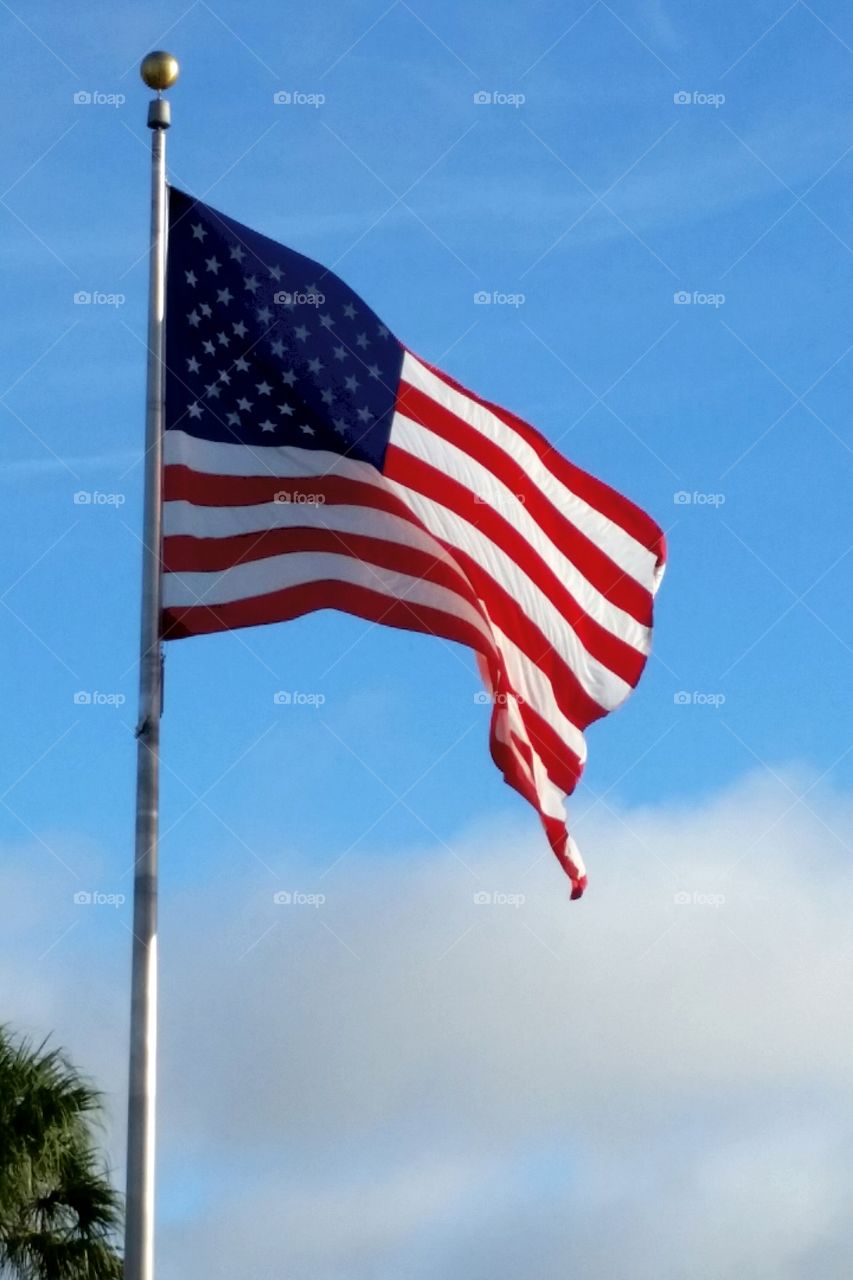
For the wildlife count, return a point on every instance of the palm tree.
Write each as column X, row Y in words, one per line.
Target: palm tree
column 59, row 1214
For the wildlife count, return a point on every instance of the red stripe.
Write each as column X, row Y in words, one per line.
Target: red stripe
column 595, row 493
column 608, row 578
column 615, row 654
column 183, row 483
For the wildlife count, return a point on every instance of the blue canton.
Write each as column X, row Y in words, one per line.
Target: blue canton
column 267, row 347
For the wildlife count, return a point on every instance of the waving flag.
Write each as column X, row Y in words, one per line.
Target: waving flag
column 313, row 462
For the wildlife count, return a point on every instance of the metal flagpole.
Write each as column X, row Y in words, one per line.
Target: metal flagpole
column 159, row 71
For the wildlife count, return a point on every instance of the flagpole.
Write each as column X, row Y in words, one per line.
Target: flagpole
column 159, row 71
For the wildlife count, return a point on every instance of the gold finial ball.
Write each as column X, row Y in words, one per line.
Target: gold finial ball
column 159, row 70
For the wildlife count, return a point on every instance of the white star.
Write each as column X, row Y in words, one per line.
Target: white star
column 264, row 388
column 275, row 272
column 373, row 370
column 244, row 404
column 209, row 347
column 241, row 364
column 251, row 283
column 199, row 232
column 224, row 296
column 316, row 365
column 212, row 391
column 364, row 414
column 264, row 315
column 362, row 341
column 352, row 383
column 193, row 365
column 194, row 319
column 194, row 410
column 349, row 311
column 327, row 396
column 326, row 322
column 301, row 332
column 277, row 348
column 212, row 265
column 286, row 409
column 233, row 420
column 237, row 253
column 308, row 431
column 383, row 332
column 191, row 278
column 240, row 329
column 225, row 376
column 223, row 339
column 289, row 377
column 340, row 353
column 205, row 310
column 267, row 426
column 340, row 426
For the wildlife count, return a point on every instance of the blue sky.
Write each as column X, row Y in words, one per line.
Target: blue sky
column 590, row 186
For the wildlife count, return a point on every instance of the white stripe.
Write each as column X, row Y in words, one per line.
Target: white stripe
column 213, row 457
column 603, row 685
column 276, row 573
column 425, row 445
column 624, row 550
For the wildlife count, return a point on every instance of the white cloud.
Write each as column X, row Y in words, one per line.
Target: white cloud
column 402, row 1081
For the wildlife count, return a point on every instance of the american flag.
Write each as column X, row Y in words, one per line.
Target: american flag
column 311, row 461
